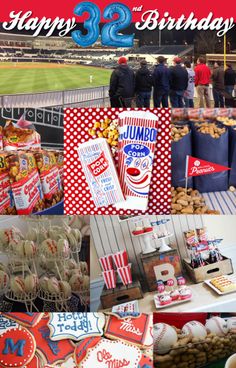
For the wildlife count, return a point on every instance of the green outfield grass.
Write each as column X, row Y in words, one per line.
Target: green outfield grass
column 41, row 77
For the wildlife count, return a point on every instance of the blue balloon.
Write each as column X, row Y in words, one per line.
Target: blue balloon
column 110, row 32
column 91, row 24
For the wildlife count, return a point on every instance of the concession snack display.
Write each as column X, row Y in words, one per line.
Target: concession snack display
column 203, row 164
column 122, row 164
column 44, row 263
column 154, row 263
column 193, row 339
column 70, row 340
column 31, row 176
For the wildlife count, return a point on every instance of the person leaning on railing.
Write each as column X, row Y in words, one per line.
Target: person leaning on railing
column 202, row 81
column 122, row 85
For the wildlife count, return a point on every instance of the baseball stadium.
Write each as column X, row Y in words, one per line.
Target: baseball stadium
column 42, row 71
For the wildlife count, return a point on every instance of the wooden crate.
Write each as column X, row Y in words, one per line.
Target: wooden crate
column 160, row 265
column 120, row 295
column 209, row 271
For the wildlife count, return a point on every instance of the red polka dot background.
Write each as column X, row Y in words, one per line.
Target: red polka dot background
column 78, row 200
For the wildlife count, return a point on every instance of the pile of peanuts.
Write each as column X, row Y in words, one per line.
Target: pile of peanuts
column 211, row 128
column 189, row 202
column 178, row 132
column 106, row 129
column 196, row 352
column 226, row 121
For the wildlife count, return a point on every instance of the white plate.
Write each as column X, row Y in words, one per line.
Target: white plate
column 231, row 278
column 159, row 306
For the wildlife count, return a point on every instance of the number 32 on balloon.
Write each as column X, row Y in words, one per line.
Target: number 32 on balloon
column 110, row 32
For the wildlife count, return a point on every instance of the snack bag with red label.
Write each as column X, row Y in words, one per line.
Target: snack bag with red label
column 15, row 138
column 7, row 206
column 60, row 164
column 1, row 138
column 25, row 182
column 49, row 176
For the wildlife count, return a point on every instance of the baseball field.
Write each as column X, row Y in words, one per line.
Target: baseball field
column 41, row 77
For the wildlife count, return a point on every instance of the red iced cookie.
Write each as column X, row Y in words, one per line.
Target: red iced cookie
column 35, row 363
column 53, row 352
column 17, row 347
column 83, row 346
column 25, row 319
column 134, row 330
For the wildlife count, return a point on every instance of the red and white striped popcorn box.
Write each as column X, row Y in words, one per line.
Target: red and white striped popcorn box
column 100, row 172
column 136, row 147
column 110, row 279
column 106, row 262
column 120, row 258
column 125, row 274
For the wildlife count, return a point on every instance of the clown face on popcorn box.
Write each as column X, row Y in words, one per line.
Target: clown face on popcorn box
column 136, row 146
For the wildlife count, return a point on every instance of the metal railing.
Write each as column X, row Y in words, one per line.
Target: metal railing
column 81, row 97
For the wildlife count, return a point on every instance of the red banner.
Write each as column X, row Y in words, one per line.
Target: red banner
column 197, row 167
column 65, row 9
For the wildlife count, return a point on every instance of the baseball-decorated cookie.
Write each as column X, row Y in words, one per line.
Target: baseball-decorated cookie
column 25, row 319
column 75, row 326
column 17, row 347
column 107, row 353
column 6, row 324
column 52, row 352
column 137, row 330
column 83, row 346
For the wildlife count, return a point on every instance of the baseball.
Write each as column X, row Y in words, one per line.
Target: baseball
column 4, row 279
column 194, row 329
column 49, row 247
column 217, row 325
column 76, row 282
column 65, row 288
column 31, row 283
column 43, row 283
column 84, row 267
column 32, row 235
column 53, row 286
column 71, row 264
column 231, row 324
column 86, row 282
column 17, row 285
column 29, row 248
column 164, row 337
column 63, row 247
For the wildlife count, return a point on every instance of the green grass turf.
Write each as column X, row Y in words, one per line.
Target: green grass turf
column 16, row 80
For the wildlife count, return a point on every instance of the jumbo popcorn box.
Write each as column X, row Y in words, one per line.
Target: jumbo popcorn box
column 136, row 147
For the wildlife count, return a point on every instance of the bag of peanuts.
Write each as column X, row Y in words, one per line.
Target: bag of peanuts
column 232, row 155
column 49, row 176
column 1, row 138
column 210, row 143
column 15, row 138
column 25, row 182
column 181, row 146
column 7, row 205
